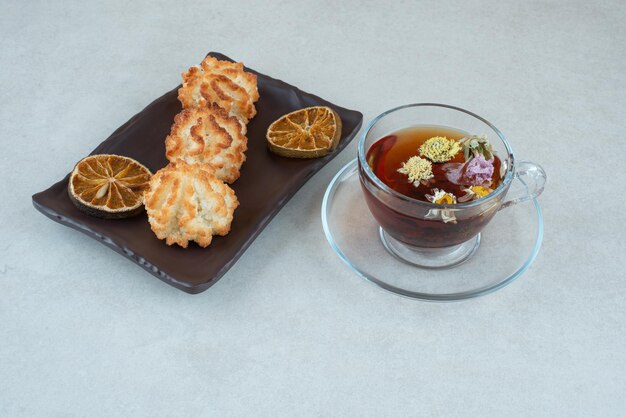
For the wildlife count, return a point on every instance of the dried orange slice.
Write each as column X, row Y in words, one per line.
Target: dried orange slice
column 108, row 186
column 306, row 133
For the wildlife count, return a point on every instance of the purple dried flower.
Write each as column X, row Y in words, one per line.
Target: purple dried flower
column 479, row 171
column 476, row 172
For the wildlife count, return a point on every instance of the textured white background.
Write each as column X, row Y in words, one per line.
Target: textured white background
column 290, row 331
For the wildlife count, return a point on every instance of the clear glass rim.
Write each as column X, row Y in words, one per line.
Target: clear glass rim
column 508, row 176
column 428, row 297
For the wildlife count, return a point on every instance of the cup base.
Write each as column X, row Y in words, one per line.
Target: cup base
column 430, row 258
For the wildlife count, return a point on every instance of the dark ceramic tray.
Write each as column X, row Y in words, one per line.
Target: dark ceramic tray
column 267, row 182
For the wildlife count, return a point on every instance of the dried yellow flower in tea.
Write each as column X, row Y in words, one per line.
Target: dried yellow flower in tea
column 439, row 149
column 418, row 169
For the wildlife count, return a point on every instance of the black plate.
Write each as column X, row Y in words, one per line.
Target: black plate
column 267, row 182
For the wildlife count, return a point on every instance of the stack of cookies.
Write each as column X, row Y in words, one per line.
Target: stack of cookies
column 189, row 199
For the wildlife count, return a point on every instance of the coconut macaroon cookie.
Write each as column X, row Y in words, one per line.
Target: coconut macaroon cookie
column 222, row 82
column 187, row 202
column 208, row 135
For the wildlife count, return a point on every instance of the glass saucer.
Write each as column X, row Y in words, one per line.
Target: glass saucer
column 508, row 246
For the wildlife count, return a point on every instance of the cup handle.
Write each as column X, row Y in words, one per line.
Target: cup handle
column 533, row 177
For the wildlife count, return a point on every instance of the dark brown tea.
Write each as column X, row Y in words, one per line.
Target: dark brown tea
column 386, row 157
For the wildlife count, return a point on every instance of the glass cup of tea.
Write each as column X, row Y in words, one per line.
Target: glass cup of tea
column 432, row 235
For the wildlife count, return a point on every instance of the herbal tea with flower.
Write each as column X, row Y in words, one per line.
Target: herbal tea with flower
column 439, row 165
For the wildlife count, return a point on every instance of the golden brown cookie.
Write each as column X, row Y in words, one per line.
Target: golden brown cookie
column 222, row 82
column 208, row 135
column 187, row 202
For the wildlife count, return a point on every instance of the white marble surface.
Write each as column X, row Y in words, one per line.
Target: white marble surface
column 290, row 331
